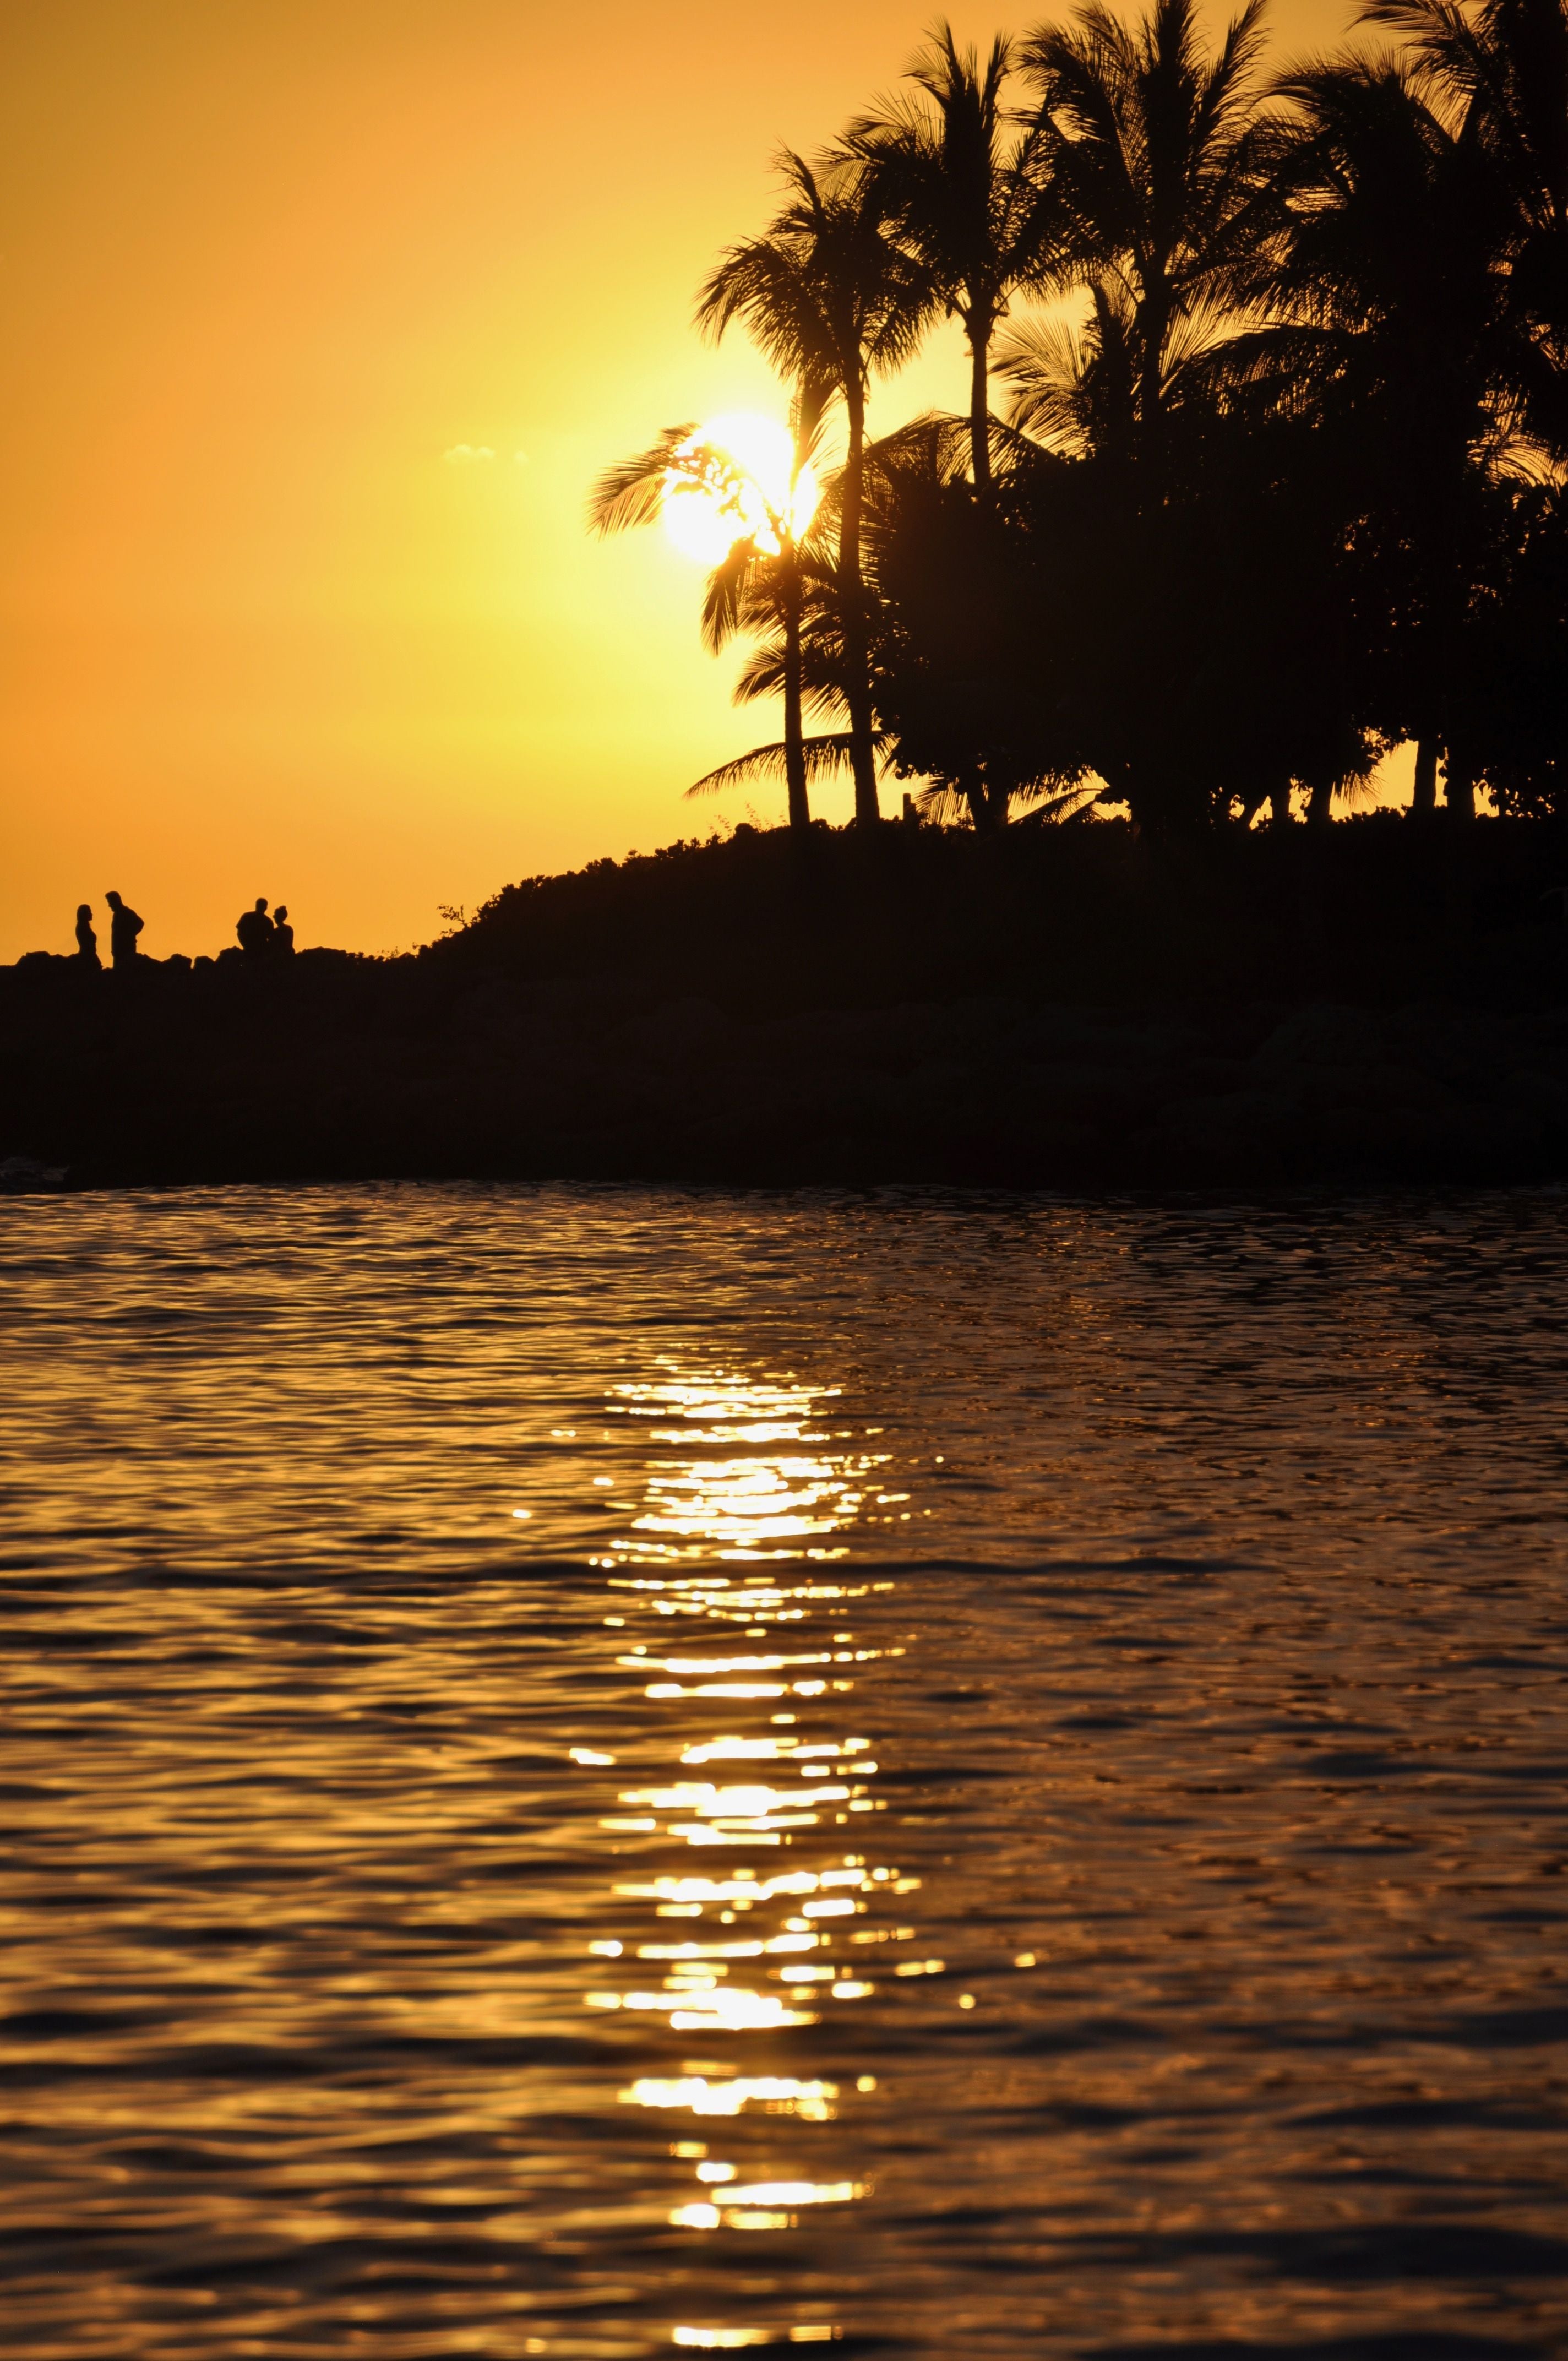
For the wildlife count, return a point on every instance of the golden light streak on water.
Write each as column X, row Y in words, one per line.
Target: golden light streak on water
column 730, row 1506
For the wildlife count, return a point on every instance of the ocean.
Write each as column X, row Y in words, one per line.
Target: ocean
column 595, row 1771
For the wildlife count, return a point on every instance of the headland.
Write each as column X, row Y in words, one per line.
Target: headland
column 1075, row 1008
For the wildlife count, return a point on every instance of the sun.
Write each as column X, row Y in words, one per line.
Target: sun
column 730, row 483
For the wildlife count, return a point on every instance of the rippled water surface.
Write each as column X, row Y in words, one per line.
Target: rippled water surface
column 593, row 1772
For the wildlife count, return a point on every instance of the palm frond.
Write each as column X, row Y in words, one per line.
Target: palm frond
column 632, row 492
column 825, row 756
column 725, row 597
column 1053, row 800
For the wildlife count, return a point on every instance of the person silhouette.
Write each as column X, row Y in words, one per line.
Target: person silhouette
column 124, row 929
column 254, row 930
column 86, row 940
column 282, row 933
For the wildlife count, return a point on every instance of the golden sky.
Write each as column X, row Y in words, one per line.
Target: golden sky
column 265, row 265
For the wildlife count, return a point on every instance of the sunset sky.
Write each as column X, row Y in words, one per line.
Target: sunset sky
column 266, row 265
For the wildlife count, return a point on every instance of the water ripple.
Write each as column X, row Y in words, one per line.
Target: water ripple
column 596, row 1772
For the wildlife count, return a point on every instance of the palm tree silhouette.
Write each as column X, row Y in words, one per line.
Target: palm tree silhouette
column 1394, row 229
column 1154, row 155
column 957, row 171
column 1073, row 382
column 1496, row 74
column 831, row 300
column 821, row 673
column 1295, row 397
column 755, row 584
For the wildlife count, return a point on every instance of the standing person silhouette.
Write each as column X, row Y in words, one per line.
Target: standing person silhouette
column 254, row 928
column 282, row 933
column 86, row 940
column 124, row 929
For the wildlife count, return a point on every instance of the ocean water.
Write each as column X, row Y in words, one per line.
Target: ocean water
column 597, row 1773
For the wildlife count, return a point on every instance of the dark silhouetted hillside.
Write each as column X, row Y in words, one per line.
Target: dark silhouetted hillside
column 1067, row 1008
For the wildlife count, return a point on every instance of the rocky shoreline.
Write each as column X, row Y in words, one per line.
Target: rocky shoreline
column 1074, row 1010
column 347, row 1069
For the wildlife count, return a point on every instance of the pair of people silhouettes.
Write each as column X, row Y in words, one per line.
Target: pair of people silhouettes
column 261, row 936
column 124, row 927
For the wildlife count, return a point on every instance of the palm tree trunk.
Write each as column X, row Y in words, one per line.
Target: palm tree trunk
column 1423, row 795
column 853, row 619
column 1460, row 784
column 980, row 403
column 1279, row 802
column 795, row 727
column 1154, row 323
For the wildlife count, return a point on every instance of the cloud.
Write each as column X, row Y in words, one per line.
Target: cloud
column 464, row 454
column 520, row 458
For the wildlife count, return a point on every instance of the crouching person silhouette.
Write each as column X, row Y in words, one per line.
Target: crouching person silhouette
column 124, row 929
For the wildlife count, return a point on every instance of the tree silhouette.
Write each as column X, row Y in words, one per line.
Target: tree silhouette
column 758, row 584
column 798, row 653
column 1281, row 477
column 829, row 299
column 955, row 169
column 1496, row 74
column 1153, row 154
column 1392, row 235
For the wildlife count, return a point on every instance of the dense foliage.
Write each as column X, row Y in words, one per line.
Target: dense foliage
column 1263, row 471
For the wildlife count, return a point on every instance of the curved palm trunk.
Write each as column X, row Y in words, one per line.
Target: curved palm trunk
column 852, row 621
column 795, row 727
column 1154, row 327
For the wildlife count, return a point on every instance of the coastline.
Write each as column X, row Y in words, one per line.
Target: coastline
column 537, row 1045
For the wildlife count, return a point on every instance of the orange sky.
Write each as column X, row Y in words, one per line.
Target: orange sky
column 264, row 263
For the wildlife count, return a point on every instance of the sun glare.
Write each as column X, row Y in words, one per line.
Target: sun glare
column 734, row 484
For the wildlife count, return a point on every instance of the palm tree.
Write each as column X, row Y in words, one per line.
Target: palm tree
column 829, row 300
column 759, row 581
column 959, row 177
column 792, row 618
column 1497, row 76
column 824, row 753
column 960, row 632
column 1073, row 382
column 1153, row 153
column 1495, row 73
column 1393, row 230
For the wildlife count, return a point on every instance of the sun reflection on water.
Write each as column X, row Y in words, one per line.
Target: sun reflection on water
column 789, row 1915
column 766, row 1481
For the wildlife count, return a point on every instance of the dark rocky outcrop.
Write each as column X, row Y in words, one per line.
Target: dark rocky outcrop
column 624, row 1024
